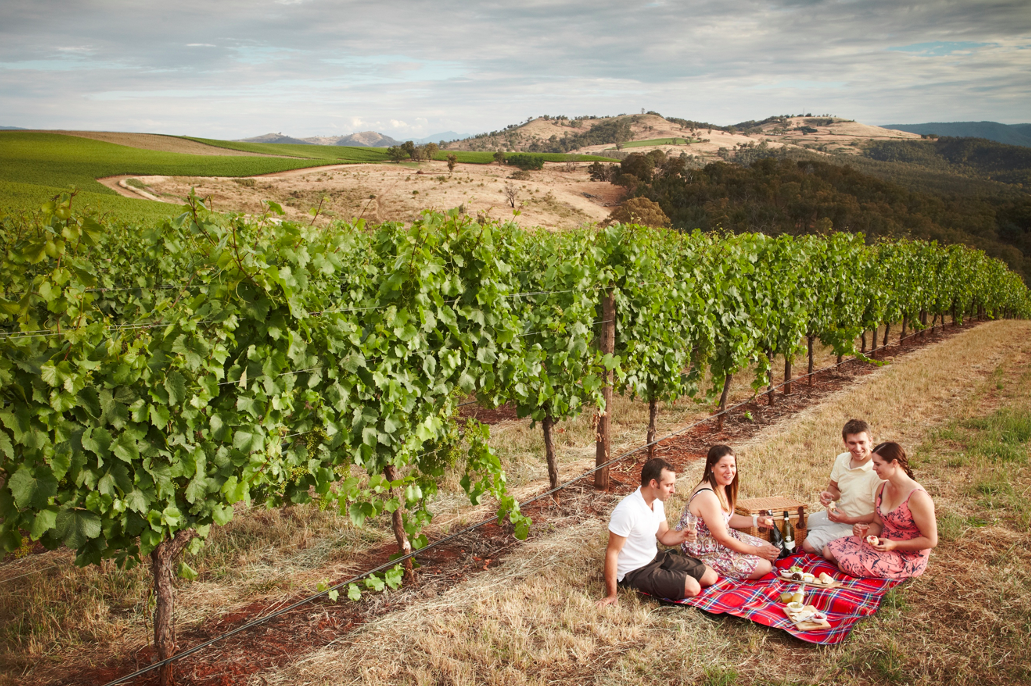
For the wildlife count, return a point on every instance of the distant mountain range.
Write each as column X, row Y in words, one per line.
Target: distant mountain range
column 11, row 128
column 364, row 139
column 446, row 136
column 1011, row 134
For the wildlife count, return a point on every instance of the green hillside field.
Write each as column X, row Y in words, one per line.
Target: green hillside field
column 34, row 167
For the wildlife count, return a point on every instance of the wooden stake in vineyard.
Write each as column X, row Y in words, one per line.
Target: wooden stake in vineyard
column 604, row 435
column 723, row 400
column 769, row 394
column 653, row 415
column 809, row 351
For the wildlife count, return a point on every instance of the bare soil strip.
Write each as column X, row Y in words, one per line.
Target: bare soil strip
column 472, row 560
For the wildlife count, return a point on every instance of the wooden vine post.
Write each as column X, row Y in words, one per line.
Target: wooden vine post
column 809, row 352
column 604, row 435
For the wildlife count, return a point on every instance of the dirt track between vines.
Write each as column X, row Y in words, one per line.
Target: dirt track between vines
column 289, row 637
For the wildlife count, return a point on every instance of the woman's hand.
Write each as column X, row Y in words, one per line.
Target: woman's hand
column 884, row 545
column 766, row 522
column 860, row 529
column 767, row 551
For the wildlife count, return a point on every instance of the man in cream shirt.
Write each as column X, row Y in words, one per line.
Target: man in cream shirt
column 853, row 485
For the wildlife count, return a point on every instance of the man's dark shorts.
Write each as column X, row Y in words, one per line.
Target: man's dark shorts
column 664, row 576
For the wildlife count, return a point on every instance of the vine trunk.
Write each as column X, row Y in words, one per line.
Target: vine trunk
column 404, row 546
column 163, row 561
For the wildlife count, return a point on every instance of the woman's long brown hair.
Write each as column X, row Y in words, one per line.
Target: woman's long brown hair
column 890, row 451
column 717, row 453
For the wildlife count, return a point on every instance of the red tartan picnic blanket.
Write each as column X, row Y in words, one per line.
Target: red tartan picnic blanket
column 757, row 600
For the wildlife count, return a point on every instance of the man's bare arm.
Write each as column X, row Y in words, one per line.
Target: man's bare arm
column 616, row 544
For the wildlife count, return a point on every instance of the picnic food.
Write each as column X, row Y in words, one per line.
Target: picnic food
column 809, row 578
column 786, row 597
column 873, row 540
column 798, row 596
column 809, row 613
column 832, row 506
column 826, row 578
column 794, row 568
column 795, row 606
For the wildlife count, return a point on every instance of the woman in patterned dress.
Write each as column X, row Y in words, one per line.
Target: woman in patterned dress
column 904, row 525
column 729, row 552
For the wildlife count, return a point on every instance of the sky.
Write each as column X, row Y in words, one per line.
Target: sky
column 239, row 68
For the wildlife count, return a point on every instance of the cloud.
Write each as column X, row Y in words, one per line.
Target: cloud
column 940, row 48
column 240, row 67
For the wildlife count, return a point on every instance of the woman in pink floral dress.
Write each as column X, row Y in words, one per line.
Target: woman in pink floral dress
column 729, row 552
column 904, row 525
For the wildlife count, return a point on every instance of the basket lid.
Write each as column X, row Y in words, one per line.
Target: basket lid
column 773, row 504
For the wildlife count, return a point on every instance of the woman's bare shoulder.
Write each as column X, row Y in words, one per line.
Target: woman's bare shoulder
column 704, row 494
column 920, row 498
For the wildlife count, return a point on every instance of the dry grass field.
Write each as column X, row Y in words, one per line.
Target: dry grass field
column 560, row 196
column 531, row 618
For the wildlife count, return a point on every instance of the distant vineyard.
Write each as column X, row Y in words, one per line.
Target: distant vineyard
column 151, row 376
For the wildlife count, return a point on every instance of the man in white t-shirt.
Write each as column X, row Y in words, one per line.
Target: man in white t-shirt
column 633, row 560
column 853, row 485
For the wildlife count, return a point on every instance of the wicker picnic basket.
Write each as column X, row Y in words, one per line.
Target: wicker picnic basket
column 777, row 507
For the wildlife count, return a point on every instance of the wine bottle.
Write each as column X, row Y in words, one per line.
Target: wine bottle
column 789, row 535
column 775, row 538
